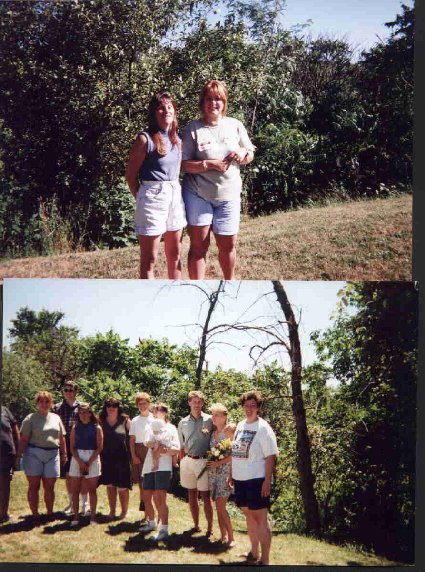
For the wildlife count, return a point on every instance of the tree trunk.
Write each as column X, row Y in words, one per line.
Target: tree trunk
column 213, row 299
column 311, row 509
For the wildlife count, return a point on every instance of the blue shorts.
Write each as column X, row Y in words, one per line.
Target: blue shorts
column 157, row 481
column 41, row 462
column 248, row 494
column 223, row 215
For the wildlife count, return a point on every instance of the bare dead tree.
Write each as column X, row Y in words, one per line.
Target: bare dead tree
column 311, row 509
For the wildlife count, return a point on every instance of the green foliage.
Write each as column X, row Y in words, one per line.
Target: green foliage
column 77, row 77
column 373, row 355
column 23, row 376
column 39, row 335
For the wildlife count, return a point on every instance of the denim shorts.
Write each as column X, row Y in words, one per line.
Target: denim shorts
column 41, row 462
column 157, row 481
column 223, row 215
column 159, row 208
column 248, row 494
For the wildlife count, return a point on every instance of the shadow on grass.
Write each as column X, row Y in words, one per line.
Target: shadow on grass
column 199, row 544
column 29, row 522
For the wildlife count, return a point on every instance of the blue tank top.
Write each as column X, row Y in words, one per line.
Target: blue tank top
column 158, row 167
column 85, row 436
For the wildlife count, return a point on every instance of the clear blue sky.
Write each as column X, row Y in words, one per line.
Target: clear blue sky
column 361, row 22
column 158, row 309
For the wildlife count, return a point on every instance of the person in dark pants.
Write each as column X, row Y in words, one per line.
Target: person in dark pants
column 68, row 412
column 9, row 442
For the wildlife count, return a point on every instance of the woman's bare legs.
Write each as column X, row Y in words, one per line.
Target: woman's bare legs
column 199, row 244
column 224, row 521
column 149, row 248
column 33, row 493
column 89, row 486
column 226, row 245
column 124, row 495
column 172, row 246
column 112, row 499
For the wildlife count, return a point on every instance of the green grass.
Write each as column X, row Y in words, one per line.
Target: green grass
column 358, row 240
column 120, row 542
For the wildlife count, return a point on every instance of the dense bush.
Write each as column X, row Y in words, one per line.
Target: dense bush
column 76, row 79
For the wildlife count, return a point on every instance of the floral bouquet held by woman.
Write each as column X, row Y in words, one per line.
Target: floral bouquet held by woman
column 220, row 451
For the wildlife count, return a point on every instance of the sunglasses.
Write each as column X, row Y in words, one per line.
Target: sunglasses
column 115, row 405
column 68, row 390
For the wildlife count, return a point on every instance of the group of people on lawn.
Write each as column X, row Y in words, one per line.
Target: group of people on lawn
column 69, row 439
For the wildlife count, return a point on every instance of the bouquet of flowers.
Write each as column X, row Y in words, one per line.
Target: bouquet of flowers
column 220, row 451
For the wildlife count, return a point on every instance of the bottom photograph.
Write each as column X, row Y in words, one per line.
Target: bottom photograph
column 233, row 423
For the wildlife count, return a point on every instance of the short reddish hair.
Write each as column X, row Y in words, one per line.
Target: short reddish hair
column 214, row 87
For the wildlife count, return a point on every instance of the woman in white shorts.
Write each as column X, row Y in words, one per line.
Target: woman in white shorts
column 84, row 471
column 214, row 147
column 42, row 443
column 152, row 175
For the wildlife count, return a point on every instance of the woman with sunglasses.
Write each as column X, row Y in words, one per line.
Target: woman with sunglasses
column 115, row 456
column 152, row 176
column 42, row 444
column 84, row 472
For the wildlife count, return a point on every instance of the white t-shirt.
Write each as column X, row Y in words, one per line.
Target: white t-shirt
column 202, row 142
column 138, row 427
column 252, row 443
column 168, row 437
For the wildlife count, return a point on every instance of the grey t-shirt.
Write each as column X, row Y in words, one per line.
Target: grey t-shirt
column 202, row 142
column 43, row 430
column 194, row 434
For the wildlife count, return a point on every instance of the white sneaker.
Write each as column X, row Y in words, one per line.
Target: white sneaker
column 161, row 535
column 148, row 526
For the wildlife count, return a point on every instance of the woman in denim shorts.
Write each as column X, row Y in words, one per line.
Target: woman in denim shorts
column 214, row 147
column 42, row 443
column 152, row 175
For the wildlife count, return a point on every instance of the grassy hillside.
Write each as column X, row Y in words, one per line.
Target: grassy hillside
column 120, row 542
column 363, row 240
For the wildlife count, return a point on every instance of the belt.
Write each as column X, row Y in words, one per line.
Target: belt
column 44, row 448
column 195, row 456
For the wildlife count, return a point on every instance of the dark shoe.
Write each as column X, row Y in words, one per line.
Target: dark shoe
column 4, row 518
column 194, row 530
column 142, row 505
column 250, row 558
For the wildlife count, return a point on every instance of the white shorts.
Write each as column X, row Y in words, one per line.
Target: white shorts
column 159, row 208
column 189, row 471
column 94, row 469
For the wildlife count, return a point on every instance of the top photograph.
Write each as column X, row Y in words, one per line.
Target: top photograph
column 184, row 139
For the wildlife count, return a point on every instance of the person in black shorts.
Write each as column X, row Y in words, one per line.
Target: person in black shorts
column 254, row 452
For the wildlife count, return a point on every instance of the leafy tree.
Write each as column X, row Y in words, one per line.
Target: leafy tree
column 29, row 323
column 386, row 85
column 22, row 376
column 40, row 335
column 374, row 355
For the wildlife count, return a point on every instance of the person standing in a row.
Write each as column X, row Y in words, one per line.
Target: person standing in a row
column 42, row 445
column 67, row 410
column 115, row 456
column 194, row 435
column 254, row 452
column 9, row 443
column 138, row 448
